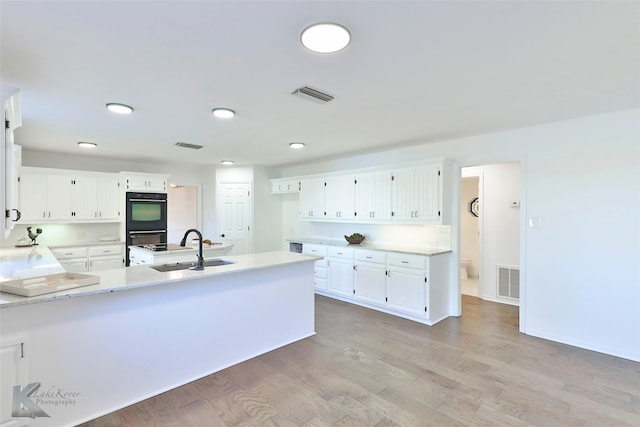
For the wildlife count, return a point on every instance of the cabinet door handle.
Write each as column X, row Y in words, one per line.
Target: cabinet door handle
column 405, row 262
column 369, row 257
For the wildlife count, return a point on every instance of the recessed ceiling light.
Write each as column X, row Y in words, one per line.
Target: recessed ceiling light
column 119, row 108
column 325, row 37
column 87, row 144
column 223, row 113
column 227, row 162
column 296, row 145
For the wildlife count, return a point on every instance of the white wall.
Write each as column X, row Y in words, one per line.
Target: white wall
column 580, row 272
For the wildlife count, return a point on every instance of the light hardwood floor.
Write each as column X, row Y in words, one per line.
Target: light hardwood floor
column 365, row 368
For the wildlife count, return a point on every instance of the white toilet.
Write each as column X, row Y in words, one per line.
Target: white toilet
column 465, row 264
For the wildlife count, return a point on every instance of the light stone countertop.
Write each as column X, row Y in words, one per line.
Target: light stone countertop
column 183, row 250
column 372, row 246
column 22, row 263
column 122, row 279
column 83, row 244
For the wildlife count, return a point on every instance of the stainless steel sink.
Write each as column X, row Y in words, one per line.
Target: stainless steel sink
column 185, row 265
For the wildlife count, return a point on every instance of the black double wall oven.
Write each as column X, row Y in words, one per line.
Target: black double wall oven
column 146, row 219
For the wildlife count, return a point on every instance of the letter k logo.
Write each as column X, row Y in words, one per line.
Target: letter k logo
column 22, row 405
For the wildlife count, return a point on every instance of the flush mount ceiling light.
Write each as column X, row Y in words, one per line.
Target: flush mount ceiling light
column 325, row 37
column 87, row 144
column 227, row 162
column 296, row 145
column 119, row 108
column 223, row 113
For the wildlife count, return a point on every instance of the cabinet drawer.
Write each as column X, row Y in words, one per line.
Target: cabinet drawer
column 320, row 272
column 65, row 253
column 407, row 260
column 337, row 252
column 313, row 249
column 105, row 250
column 378, row 257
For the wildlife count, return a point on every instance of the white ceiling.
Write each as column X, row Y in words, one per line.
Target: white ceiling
column 414, row 72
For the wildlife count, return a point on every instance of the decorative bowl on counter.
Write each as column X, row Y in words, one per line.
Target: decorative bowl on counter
column 355, row 238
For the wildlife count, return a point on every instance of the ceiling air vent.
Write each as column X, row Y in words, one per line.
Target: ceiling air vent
column 185, row 145
column 312, row 94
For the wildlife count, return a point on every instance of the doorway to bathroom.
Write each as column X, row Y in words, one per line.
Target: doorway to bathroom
column 469, row 235
column 490, row 232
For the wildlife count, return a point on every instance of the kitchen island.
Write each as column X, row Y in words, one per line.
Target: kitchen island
column 140, row 332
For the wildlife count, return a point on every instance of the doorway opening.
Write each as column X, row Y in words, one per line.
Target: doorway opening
column 490, row 232
column 182, row 211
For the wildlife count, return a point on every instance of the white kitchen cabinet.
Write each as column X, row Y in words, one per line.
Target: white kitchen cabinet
column 72, row 259
column 416, row 194
column 14, row 365
column 84, row 197
column 10, row 159
column 108, row 206
column 150, row 183
column 339, row 198
column 105, row 257
column 49, row 195
column 320, row 267
column 33, row 197
column 407, row 284
column 285, row 186
column 78, row 259
column 373, row 197
column 340, row 271
column 370, row 277
column 312, row 199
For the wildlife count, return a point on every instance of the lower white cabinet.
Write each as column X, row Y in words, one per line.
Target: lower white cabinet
column 321, row 267
column 370, row 276
column 407, row 285
column 340, row 261
column 81, row 259
column 15, row 372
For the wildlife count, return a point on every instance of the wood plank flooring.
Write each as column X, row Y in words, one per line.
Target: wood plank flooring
column 365, row 368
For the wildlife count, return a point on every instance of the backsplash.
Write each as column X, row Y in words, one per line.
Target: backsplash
column 65, row 234
column 422, row 236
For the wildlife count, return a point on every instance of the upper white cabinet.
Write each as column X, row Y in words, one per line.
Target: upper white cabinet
column 312, row 199
column 373, row 197
column 285, row 186
column 62, row 196
column 109, row 198
column 403, row 196
column 10, row 159
column 416, row 194
column 149, row 183
column 339, row 196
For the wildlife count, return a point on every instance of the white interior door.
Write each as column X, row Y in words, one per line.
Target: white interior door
column 234, row 216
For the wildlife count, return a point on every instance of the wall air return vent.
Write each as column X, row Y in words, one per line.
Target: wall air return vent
column 185, row 145
column 508, row 282
column 311, row 94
